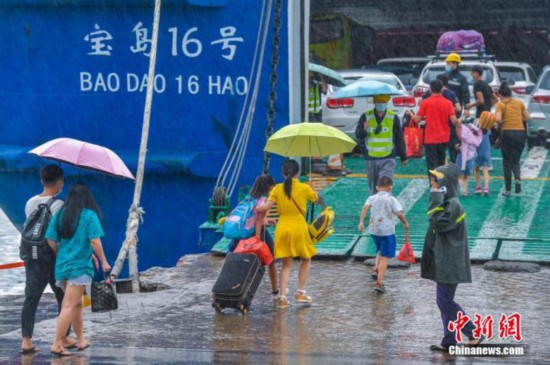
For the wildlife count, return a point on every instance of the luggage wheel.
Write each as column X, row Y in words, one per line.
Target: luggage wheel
column 217, row 307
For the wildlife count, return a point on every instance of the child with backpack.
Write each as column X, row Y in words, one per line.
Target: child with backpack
column 256, row 224
column 470, row 138
column 382, row 227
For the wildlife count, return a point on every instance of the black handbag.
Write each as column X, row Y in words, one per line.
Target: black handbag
column 103, row 296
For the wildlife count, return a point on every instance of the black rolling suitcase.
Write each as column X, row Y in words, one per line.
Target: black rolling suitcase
column 238, row 281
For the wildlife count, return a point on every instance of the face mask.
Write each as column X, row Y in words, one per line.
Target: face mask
column 380, row 107
column 448, row 69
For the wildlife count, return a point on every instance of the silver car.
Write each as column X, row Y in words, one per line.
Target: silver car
column 520, row 76
column 538, row 127
column 344, row 113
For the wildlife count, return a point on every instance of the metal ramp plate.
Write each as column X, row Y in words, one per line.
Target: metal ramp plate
column 221, row 248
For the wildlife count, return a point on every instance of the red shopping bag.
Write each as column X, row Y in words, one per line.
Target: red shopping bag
column 256, row 246
column 406, row 253
column 414, row 137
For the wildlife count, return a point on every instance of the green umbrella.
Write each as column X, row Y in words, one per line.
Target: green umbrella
column 309, row 139
column 332, row 77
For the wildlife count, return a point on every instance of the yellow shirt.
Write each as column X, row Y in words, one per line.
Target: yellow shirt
column 291, row 234
column 512, row 114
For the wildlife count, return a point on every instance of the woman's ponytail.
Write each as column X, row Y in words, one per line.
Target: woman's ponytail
column 290, row 169
column 504, row 89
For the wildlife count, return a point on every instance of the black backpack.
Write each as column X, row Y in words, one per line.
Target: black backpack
column 34, row 245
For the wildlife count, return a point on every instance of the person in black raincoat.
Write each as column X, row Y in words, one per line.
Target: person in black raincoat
column 445, row 257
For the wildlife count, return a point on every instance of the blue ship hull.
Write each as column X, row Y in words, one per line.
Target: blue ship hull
column 78, row 69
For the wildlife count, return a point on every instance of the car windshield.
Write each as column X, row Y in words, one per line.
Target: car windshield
column 431, row 73
column 511, row 73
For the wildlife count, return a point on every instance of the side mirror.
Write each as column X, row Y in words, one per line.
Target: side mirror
column 529, row 89
column 413, row 81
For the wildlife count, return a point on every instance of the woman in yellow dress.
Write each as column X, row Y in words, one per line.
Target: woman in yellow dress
column 291, row 234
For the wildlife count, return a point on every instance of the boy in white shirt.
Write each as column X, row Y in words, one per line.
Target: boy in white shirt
column 382, row 227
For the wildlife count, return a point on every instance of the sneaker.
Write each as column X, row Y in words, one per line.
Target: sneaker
column 374, row 275
column 302, row 297
column 507, row 193
column 478, row 190
column 283, row 302
column 485, row 192
column 379, row 288
column 518, row 187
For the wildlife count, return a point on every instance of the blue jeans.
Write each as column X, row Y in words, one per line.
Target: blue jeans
column 449, row 309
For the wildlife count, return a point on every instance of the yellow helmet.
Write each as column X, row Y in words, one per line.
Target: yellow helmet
column 381, row 98
column 453, row 57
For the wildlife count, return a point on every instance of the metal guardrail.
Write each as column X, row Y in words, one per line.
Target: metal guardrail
column 500, row 241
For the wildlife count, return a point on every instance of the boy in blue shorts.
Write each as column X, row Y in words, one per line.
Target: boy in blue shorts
column 382, row 227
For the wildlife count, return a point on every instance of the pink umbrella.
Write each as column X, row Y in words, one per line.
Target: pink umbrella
column 85, row 155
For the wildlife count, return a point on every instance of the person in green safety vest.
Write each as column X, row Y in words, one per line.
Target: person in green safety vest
column 317, row 86
column 380, row 135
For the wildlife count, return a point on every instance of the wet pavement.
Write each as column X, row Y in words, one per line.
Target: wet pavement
column 347, row 323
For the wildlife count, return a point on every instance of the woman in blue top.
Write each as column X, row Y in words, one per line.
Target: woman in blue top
column 74, row 234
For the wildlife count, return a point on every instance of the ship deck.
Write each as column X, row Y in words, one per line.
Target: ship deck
column 513, row 228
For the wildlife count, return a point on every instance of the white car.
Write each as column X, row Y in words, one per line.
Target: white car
column 538, row 127
column 520, row 76
column 344, row 113
column 437, row 66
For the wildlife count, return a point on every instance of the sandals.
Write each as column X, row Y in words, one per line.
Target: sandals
column 374, row 275
column 301, row 297
column 29, row 351
column 379, row 288
column 283, row 302
column 61, row 353
column 83, row 347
